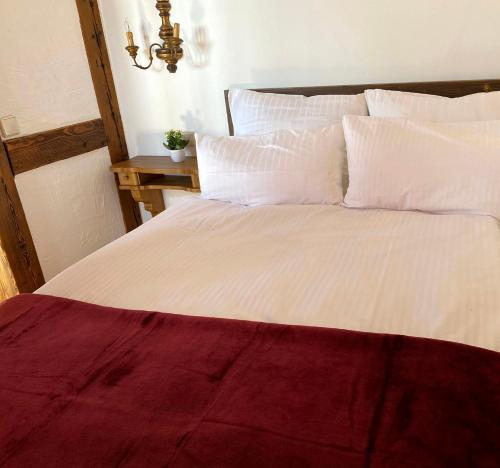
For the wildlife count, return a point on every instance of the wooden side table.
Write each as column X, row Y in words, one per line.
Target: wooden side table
column 147, row 176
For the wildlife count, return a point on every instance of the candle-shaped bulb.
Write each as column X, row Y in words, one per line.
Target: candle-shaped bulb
column 177, row 30
column 130, row 38
column 130, row 35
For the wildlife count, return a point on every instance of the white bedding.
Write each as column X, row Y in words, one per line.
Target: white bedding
column 417, row 274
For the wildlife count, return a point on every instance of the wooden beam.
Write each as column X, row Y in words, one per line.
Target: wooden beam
column 8, row 287
column 37, row 150
column 19, row 266
column 102, row 77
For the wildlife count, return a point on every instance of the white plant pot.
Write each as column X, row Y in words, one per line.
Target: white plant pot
column 178, row 155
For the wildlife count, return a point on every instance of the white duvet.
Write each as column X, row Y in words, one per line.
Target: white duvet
column 417, row 274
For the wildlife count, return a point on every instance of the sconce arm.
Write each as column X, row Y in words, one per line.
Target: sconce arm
column 132, row 50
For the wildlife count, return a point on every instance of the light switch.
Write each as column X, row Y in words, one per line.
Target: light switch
column 9, row 126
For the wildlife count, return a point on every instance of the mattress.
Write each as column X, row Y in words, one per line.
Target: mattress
column 416, row 274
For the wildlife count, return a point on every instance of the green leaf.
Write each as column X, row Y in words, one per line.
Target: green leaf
column 174, row 140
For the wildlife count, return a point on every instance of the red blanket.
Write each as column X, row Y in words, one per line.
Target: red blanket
column 88, row 386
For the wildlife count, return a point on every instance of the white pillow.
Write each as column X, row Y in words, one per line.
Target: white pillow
column 428, row 166
column 255, row 113
column 282, row 167
column 480, row 106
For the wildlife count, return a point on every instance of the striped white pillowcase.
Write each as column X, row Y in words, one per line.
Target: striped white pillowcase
column 289, row 166
column 479, row 106
column 405, row 164
column 255, row 113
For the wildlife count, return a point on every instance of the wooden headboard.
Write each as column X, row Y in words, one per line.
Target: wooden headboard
column 438, row 88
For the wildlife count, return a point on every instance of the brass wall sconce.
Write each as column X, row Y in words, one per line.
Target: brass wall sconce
column 170, row 51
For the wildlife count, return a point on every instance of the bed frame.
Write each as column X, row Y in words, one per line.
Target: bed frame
column 450, row 89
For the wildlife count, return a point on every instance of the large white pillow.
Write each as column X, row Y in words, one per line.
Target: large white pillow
column 429, row 166
column 281, row 167
column 255, row 113
column 480, row 106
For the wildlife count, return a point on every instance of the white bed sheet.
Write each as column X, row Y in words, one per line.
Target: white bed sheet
column 435, row 276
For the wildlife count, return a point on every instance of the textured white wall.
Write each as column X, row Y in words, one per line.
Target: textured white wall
column 72, row 209
column 45, row 78
column 72, row 206
column 258, row 43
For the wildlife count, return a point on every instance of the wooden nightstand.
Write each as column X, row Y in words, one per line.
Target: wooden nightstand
column 147, row 176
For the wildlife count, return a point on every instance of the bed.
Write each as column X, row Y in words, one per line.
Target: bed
column 325, row 266
column 219, row 335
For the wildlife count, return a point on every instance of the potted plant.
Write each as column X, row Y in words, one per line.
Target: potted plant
column 175, row 142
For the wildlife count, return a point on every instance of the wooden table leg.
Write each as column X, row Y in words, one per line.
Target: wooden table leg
column 152, row 199
column 195, row 181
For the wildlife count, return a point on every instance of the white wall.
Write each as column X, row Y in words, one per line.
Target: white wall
column 72, row 206
column 263, row 43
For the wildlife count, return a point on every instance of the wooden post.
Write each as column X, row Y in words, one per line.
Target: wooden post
column 20, row 269
column 102, row 77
